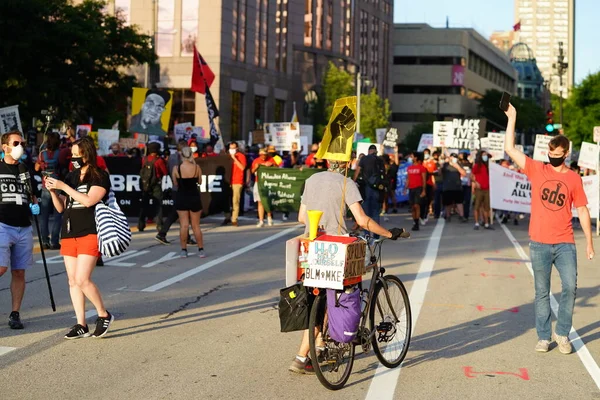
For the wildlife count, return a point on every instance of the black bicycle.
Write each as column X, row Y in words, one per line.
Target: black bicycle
column 386, row 308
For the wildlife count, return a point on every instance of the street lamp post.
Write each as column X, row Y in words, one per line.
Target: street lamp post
column 560, row 67
column 358, row 93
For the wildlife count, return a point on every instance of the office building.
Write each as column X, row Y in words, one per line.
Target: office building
column 503, row 40
column 545, row 23
column 266, row 54
column 442, row 72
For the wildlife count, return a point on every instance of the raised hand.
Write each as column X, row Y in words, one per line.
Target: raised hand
column 511, row 113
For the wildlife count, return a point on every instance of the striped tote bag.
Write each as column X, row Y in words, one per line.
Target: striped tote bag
column 114, row 235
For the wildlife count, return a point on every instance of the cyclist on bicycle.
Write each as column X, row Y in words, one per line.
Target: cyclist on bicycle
column 324, row 191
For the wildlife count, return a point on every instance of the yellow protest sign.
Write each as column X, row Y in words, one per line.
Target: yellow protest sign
column 339, row 134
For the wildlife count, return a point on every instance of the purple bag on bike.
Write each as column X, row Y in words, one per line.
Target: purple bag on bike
column 343, row 310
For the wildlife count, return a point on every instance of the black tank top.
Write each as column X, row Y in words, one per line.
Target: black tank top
column 187, row 185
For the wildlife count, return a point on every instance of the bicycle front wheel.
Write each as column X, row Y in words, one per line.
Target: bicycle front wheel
column 332, row 361
column 391, row 320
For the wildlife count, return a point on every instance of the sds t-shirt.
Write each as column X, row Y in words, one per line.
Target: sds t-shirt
column 323, row 192
column 553, row 194
column 415, row 176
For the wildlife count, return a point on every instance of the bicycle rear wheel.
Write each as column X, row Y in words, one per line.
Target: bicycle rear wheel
column 392, row 335
column 332, row 361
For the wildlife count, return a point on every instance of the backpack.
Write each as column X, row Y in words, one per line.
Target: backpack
column 344, row 314
column 148, row 176
column 294, row 308
column 114, row 235
column 377, row 178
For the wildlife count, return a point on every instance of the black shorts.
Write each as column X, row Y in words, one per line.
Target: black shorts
column 414, row 196
column 188, row 202
column 451, row 197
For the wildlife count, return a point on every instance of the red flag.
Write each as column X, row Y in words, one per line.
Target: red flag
column 202, row 76
column 517, row 26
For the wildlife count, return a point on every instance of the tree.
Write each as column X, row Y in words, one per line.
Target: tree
column 374, row 112
column 72, row 57
column 581, row 111
column 412, row 139
column 530, row 115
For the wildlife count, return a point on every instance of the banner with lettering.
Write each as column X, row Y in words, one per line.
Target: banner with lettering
column 496, row 145
column 285, row 136
column 425, row 142
column 281, row 189
column 509, row 190
column 402, row 183
column 215, row 188
column 591, row 188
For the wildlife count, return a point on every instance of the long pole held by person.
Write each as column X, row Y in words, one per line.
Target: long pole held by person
column 24, row 176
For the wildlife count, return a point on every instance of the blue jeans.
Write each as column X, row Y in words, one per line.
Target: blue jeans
column 46, row 208
column 564, row 258
column 372, row 204
column 437, row 200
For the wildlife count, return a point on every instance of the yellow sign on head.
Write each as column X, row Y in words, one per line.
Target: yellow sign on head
column 339, row 134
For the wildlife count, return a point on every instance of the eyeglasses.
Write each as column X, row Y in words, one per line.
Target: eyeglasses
column 16, row 143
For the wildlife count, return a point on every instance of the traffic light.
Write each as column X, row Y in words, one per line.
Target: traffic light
column 549, row 122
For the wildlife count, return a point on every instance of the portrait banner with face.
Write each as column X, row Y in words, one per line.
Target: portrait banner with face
column 106, row 137
column 10, row 119
column 82, row 130
column 183, row 131
column 285, row 136
column 338, row 137
column 151, row 111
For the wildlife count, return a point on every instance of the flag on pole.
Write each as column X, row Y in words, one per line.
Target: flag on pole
column 295, row 116
column 202, row 75
column 517, row 26
column 213, row 112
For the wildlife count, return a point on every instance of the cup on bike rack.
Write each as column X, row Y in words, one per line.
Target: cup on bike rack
column 314, row 216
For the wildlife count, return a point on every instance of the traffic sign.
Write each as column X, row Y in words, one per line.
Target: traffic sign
column 597, row 134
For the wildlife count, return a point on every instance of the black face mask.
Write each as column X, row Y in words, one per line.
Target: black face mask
column 77, row 162
column 556, row 161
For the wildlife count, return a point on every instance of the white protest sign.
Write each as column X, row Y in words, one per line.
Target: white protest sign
column 285, row 136
column 363, row 148
column 442, row 131
column 391, row 138
column 509, row 190
column 10, row 119
column 106, row 137
column 465, row 134
column 540, row 151
column 496, row 145
column 425, row 142
column 484, row 143
column 307, row 132
column 588, row 156
column 591, row 188
column 182, row 132
column 380, row 134
column 326, row 261
column 597, row 134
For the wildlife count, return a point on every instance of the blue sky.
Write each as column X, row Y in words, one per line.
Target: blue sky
column 488, row 15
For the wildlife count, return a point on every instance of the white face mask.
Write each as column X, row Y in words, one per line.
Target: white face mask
column 427, row 156
column 454, row 160
column 232, row 151
column 17, row 152
column 194, row 149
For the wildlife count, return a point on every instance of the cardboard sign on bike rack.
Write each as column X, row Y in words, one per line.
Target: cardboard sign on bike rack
column 333, row 261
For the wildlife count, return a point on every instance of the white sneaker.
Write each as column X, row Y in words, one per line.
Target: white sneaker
column 542, row 346
column 260, row 224
column 564, row 345
column 422, row 221
column 270, row 221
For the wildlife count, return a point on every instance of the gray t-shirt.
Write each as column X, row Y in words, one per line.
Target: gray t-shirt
column 451, row 178
column 323, row 192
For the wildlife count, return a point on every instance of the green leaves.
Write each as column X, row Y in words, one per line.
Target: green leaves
column 73, row 57
column 530, row 115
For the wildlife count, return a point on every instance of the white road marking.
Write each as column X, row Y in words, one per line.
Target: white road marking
column 117, row 261
column 204, row 267
column 169, row 256
column 586, row 358
column 4, row 350
column 383, row 384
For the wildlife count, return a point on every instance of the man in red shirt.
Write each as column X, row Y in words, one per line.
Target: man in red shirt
column 310, row 159
column 237, row 181
column 480, row 177
column 417, row 181
column 431, row 166
column 263, row 159
column 152, row 187
column 555, row 190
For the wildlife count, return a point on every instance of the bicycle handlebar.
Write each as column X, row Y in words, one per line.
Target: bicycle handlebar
column 403, row 235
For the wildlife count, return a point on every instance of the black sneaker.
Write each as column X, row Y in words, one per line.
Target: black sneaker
column 415, row 227
column 191, row 241
column 78, row 331
column 14, row 320
column 102, row 325
column 46, row 246
column 162, row 239
column 55, row 247
column 226, row 222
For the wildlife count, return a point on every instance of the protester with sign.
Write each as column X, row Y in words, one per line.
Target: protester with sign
column 430, row 165
column 153, row 170
column 187, row 177
column 237, row 182
column 331, row 201
column 439, row 185
column 452, row 187
column 417, row 191
column 77, row 196
column 463, row 161
column 267, row 161
column 16, row 233
column 47, row 165
column 555, row 189
column 481, row 184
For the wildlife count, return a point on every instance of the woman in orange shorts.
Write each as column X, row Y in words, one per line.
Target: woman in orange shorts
column 83, row 188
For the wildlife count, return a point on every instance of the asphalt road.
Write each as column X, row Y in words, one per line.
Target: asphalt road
column 208, row 328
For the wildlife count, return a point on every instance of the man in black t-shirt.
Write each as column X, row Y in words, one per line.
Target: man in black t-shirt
column 370, row 168
column 16, row 206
